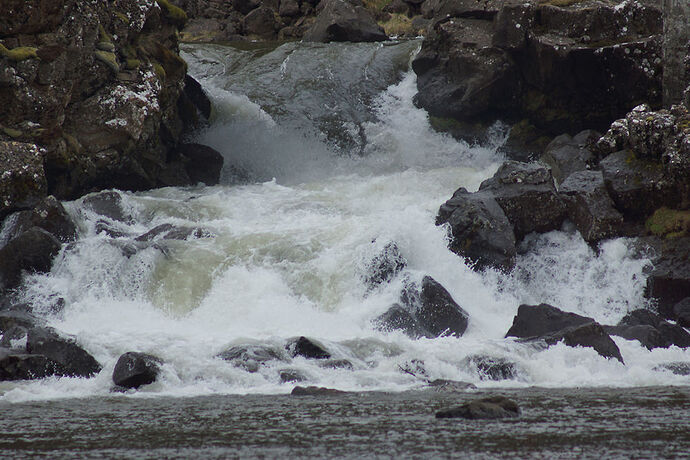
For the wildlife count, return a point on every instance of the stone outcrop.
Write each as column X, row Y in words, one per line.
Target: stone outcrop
column 343, row 21
column 563, row 68
column 90, row 96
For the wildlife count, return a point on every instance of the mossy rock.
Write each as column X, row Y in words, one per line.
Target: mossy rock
column 669, row 223
column 398, row 25
column 103, row 36
column 109, row 59
column 121, row 16
column 132, row 64
column 376, row 5
column 18, row 54
column 159, row 70
column 175, row 14
column 13, row 133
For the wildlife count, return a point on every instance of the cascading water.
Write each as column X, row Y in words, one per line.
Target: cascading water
column 338, row 157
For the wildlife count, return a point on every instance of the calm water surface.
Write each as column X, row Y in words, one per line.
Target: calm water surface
column 647, row 422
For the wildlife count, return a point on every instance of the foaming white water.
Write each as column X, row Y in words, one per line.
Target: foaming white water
column 285, row 258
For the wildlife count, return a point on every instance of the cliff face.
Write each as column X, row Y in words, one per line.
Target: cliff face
column 95, row 88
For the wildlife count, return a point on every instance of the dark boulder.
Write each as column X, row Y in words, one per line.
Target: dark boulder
column 75, row 361
column 681, row 312
column 16, row 365
column 12, row 318
column 108, row 204
column 251, row 356
column 14, row 337
column 538, row 320
column 384, row 266
column 134, row 369
column 480, row 230
column 315, row 391
column 197, row 95
column 591, row 335
column 491, row 368
column 434, row 308
column 651, row 330
column 343, row 21
column 669, row 282
column 307, row 348
column 638, row 187
column 401, row 319
column 204, row 163
column 260, row 22
column 566, row 155
column 590, row 207
column 48, row 214
column 32, row 251
column 528, row 197
column 494, row 407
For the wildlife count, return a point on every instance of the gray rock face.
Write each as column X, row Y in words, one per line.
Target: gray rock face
column 566, row 155
column 48, row 214
column 591, row 335
column 22, row 178
column 16, row 365
column 528, row 59
column 651, row 330
column 342, row 21
column 669, row 282
column 495, row 407
column 590, row 207
column 480, row 229
column 134, row 369
column 528, row 197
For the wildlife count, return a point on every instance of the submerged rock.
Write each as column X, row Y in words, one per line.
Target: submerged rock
column 491, row 368
column 171, row 232
column 494, row 407
column 307, row 348
column 250, row 356
column 75, row 361
column 444, row 385
column 384, row 266
column 344, row 21
column 435, row 309
column 134, row 369
column 291, row 375
column 108, row 204
column 315, row 391
column 678, row 368
column 401, row 319
column 552, row 325
column 203, row 163
column 480, row 230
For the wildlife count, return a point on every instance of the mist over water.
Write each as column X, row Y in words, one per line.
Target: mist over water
column 340, row 162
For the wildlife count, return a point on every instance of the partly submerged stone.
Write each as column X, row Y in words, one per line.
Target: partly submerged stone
column 134, row 369
column 494, row 407
column 434, row 308
column 32, row 251
column 315, row 391
column 250, row 356
column 384, row 266
column 307, row 348
column 75, row 361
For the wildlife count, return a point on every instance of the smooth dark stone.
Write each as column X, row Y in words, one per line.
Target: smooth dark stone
column 399, row 318
column 307, row 348
column 435, row 309
column 32, row 251
column 107, row 204
column 495, row 407
column 250, row 356
column 74, row 359
column 315, row 391
column 291, row 375
column 537, row 320
column 17, row 365
column 134, row 369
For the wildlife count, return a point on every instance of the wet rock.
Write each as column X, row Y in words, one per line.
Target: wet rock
column 637, row 187
column 434, row 308
column 12, row 318
column 590, row 207
column 542, row 319
column 31, row 251
column 75, row 361
column 491, row 368
column 291, row 375
column 494, row 407
column 103, row 226
column 480, row 230
column 384, row 266
column 250, row 356
column 591, row 335
column 402, row 319
column 336, row 364
column 307, row 348
column 444, row 385
column 171, row 232
column 134, row 369
column 203, row 164
column 23, row 366
column 260, row 22
column 22, row 177
column 289, row 8
column 14, row 337
column 566, row 155
column 681, row 312
column 108, row 204
column 343, row 21
column 651, row 330
column 48, row 214
column 669, row 282
column 315, row 391
column 197, row 95
column 528, row 197
column 415, row 368
column 678, row 368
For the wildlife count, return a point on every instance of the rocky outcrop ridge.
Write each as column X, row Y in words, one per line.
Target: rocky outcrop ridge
column 563, row 69
column 91, row 95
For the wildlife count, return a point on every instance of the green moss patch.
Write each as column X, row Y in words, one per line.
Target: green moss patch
column 19, row 53
column 669, row 223
column 109, row 59
column 376, row 5
column 398, row 24
column 175, row 14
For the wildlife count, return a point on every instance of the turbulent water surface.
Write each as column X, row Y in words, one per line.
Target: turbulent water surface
column 335, row 162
